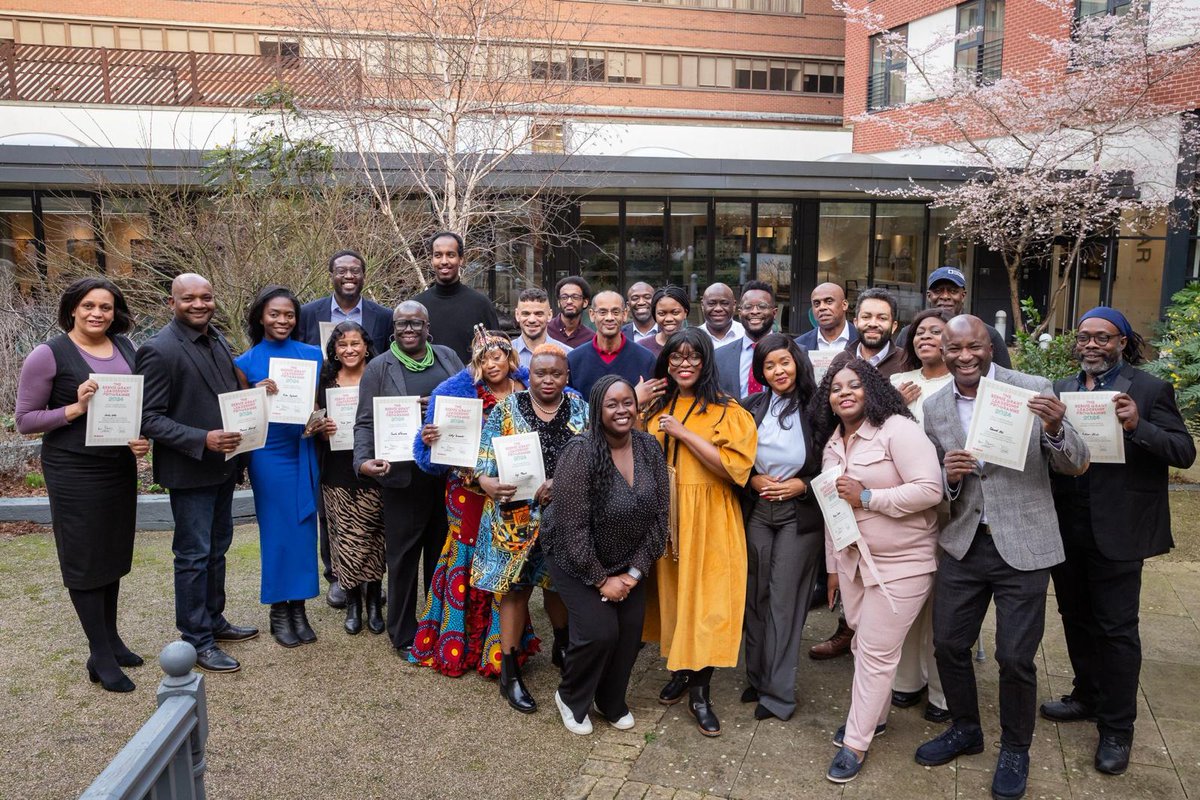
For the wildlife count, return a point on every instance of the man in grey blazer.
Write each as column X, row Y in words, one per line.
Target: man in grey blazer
column 414, row 508
column 1001, row 541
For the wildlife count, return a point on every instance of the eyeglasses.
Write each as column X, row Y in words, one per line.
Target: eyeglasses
column 607, row 312
column 1100, row 338
column 679, row 359
column 566, row 298
column 757, row 307
column 352, row 272
column 410, row 324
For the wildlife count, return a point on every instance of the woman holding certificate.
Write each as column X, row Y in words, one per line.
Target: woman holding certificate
column 283, row 473
column 697, row 600
column 888, row 472
column 459, row 628
column 352, row 503
column 508, row 557
column 59, row 384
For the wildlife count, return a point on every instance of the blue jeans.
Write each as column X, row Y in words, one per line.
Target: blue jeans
column 203, row 533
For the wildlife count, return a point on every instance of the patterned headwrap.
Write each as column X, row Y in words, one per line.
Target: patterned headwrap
column 485, row 341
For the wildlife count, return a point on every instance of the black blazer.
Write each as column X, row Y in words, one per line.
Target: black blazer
column 808, row 340
column 1130, row 510
column 179, row 407
column 376, row 319
column 808, row 513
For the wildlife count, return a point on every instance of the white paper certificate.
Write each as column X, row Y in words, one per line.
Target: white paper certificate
column 326, row 329
column 245, row 412
column 341, row 406
column 296, row 380
column 1094, row 415
column 114, row 415
column 821, row 359
column 397, row 425
column 460, row 424
column 1001, row 424
column 839, row 515
column 519, row 462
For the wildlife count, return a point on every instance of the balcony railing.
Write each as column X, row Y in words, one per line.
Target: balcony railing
column 55, row 74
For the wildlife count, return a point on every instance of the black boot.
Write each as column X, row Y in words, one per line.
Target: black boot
column 304, row 631
column 374, row 607
column 511, row 687
column 702, row 710
column 353, row 610
column 672, row 693
column 281, row 625
column 558, row 654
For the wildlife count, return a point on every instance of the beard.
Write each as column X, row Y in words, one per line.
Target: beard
column 1096, row 370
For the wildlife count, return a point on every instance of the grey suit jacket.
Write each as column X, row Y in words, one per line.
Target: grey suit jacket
column 384, row 377
column 1020, row 508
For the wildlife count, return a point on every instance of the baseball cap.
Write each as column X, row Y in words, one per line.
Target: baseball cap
column 951, row 274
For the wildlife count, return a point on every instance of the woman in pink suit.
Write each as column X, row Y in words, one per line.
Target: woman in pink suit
column 892, row 478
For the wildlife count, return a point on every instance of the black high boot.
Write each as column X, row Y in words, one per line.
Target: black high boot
column 558, row 653
column 304, row 631
column 512, row 688
column 702, row 710
column 353, row 610
column 281, row 625
column 374, row 592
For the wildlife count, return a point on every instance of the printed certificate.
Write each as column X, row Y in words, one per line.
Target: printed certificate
column 296, row 380
column 460, row 424
column 341, row 407
column 245, row 412
column 821, row 359
column 397, row 425
column 519, row 462
column 326, row 329
column 839, row 515
column 114, row 415
column 1001, row 424
column 1094, row 415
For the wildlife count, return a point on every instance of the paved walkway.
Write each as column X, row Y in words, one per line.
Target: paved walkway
column 666, row 758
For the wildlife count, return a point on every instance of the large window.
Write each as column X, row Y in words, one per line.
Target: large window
column 689, row 250
column 732, row 257
column 600, row 248
column 1092, row 8
column 773, row 242
column 899, row 239
column 771, row 6
column 842, row 252
column 18, row 244
column 643, row 242
column 71, row 244
column 885, row 85
column 980, row 52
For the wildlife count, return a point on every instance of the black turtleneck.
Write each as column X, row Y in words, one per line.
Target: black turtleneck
column 454, row 311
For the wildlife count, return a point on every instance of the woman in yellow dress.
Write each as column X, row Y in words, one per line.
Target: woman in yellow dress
column 697, row 596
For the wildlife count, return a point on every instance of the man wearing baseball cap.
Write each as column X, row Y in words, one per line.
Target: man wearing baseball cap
column 947, row 290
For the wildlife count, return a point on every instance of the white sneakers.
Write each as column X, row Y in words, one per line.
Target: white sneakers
column 568, row 718
column 624, row 723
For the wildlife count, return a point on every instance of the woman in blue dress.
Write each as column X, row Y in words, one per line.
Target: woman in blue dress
column 283, row 474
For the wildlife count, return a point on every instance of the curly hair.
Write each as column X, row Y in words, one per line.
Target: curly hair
column 254, row 323
column 599, row 454
column 910, row 347
column 882, row 400
column 707, row 389
column 806, row 384
column 331, row 365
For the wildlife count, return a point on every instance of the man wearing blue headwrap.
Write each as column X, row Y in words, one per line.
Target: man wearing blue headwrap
column 1113, row 517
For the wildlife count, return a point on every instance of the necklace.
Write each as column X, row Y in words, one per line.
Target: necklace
column 410, row 363
column 545, row 410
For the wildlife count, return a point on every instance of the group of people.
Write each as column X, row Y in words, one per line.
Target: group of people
column 678, row 504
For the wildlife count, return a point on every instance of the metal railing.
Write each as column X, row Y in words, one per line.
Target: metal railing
column 165, row 759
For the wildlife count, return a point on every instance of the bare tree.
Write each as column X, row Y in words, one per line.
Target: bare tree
column 1084, row 142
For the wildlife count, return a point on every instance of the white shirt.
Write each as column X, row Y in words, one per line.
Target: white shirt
column 736, row 331
column 928, row 387
column 781, row 453
column 966, row 409
column 875, row 359
column 838, row 342
column 638, row 336
column 744, row 364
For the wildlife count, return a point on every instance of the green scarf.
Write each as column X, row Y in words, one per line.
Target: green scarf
column 410, row 363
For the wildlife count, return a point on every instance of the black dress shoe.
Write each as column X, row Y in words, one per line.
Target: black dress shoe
column 701, row 708
column 353, row 623
column 1068, row 709
column 907, row 699
column 281, row 625
column 512, row 688
column 214, row 659
column 750, row 695
column 336, row 596
column 304, row 631
column 1112, row 754
column 121, row 684
column 761, row 712
column 673, row 692
column 935, row 714
column 235, row 633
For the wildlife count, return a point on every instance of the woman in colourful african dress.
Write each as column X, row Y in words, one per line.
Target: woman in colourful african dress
column 460, row 625
column 509, row 561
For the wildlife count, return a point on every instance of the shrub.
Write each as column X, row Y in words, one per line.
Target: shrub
column 1053, row 362
column 1178, row 346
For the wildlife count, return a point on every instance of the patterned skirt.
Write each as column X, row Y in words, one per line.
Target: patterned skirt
column 355, row 533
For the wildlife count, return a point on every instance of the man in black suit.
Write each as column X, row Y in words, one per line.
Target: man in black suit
column 186, row 365
column 833, row 331
column 348, row 272
column 1112, row 518
column 757, row 310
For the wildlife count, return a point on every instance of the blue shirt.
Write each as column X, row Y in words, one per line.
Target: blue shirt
column 1103, row 382
column 336, row 314
column 781, row 451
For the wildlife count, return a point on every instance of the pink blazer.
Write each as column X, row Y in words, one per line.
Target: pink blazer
column 899, row 464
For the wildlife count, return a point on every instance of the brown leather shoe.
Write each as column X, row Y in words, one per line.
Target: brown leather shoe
column 834, row 646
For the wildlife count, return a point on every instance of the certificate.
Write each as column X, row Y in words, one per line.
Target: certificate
column 245, row 412
column 397, row 425
column 114, row 415
column 1094, row 415
column 839, row 515
column 519, row 462
column 296, row 380
column 460, row 424
column 341, row 405
column 326, row 329
column 1001, row 424
column 821, row 359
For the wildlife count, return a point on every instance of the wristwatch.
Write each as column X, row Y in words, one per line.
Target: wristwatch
column 865, row 499
column 635, row 573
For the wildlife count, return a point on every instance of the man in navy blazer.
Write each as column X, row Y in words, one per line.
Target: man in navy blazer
column 347, row 272
column 1112, row 518
column 833, row 331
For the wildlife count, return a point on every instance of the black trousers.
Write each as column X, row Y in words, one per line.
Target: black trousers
column 1098, row 600
column 603, row 645
column 323, row 540
column 414, row 527
column 960, row 602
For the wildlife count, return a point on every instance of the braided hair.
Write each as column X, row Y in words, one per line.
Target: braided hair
column 599, row 453
column 882, row 400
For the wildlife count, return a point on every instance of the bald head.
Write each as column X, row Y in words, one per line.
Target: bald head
column 829, row 307
column 639, row 296
column 192, row 301
column 717, row 307
column 967, row 351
